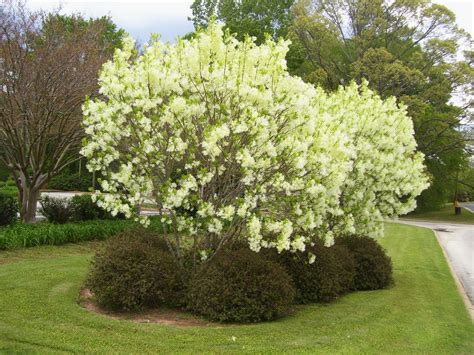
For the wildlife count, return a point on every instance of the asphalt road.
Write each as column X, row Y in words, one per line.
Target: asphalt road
column 458, row 242
column 468, row 205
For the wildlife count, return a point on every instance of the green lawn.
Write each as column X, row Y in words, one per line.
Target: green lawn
column 445, row 214
column 422, row 313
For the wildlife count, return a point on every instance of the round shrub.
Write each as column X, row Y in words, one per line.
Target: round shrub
column 346, row 267
column 56, row 210
column 84, row 209
column 317, row 282
column 8, row 210
column 373, row 265
column 240, row 286
column 135, row 271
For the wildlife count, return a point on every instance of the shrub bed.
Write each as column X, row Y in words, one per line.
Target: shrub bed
column 240, row 286
column 134, row 271
column 27, row 235
column 373, row 265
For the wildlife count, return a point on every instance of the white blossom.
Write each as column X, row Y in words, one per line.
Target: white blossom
column 197, row 127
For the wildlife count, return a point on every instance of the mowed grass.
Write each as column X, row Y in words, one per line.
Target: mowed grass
column 446, row 214
column 422, row 313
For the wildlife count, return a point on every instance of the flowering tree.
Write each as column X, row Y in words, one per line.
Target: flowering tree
column 228, row 144
column 386, row 171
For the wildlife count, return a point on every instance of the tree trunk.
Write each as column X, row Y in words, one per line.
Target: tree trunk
column 29, row 199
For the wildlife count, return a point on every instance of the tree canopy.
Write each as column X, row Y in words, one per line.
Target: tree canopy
column 256, row 18
column 407, row 49
column 49, row 64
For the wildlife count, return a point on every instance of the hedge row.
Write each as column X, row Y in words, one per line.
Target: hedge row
column 27, row 235
column 135, row 270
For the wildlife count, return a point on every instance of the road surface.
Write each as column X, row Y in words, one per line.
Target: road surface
column 458, row 242
column 468, row 205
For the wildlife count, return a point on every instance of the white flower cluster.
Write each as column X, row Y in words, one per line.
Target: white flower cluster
column 227, row 142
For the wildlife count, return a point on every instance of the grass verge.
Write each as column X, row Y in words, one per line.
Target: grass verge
column 422, row 313
column 446, row 214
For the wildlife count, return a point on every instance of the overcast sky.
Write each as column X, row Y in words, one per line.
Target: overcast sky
column 170, row 17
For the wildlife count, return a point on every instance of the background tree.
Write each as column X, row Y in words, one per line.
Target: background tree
column 49, row 64
column 252, row 17
column 407, row 49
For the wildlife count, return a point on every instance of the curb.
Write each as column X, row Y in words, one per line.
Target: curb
column 462, row 291
column 431, row 221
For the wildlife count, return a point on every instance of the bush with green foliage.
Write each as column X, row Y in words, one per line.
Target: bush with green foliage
column 324, row 280
column 84, row 209
column 67, row 181
column 56, row 210
column 346, row 264
column 135, row 271
column 9, row 188
column 240, row 286
column 28, row 235
column 373, row 265
column 8, row 210
column 4, row 172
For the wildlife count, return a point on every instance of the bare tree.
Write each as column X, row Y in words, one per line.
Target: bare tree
column 48, row 65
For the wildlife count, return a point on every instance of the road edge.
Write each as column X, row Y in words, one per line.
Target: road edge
column 462, row 291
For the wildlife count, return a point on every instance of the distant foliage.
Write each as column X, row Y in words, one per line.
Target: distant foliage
column 56, row 210
column 70, row 182
column 373, row 265
column 9, row 188
column 240, row 286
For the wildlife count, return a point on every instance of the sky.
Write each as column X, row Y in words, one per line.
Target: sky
column 169, row 18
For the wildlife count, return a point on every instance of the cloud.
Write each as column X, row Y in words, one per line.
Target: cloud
column 139, row 18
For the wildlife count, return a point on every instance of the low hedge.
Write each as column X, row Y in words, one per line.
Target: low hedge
column 27, row 235
column 240, row 286
column 135, row 270
column 316, row 282
column 373, row 265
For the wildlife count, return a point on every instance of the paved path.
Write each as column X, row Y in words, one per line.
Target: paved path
column 458, row 242
column 468, row 205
